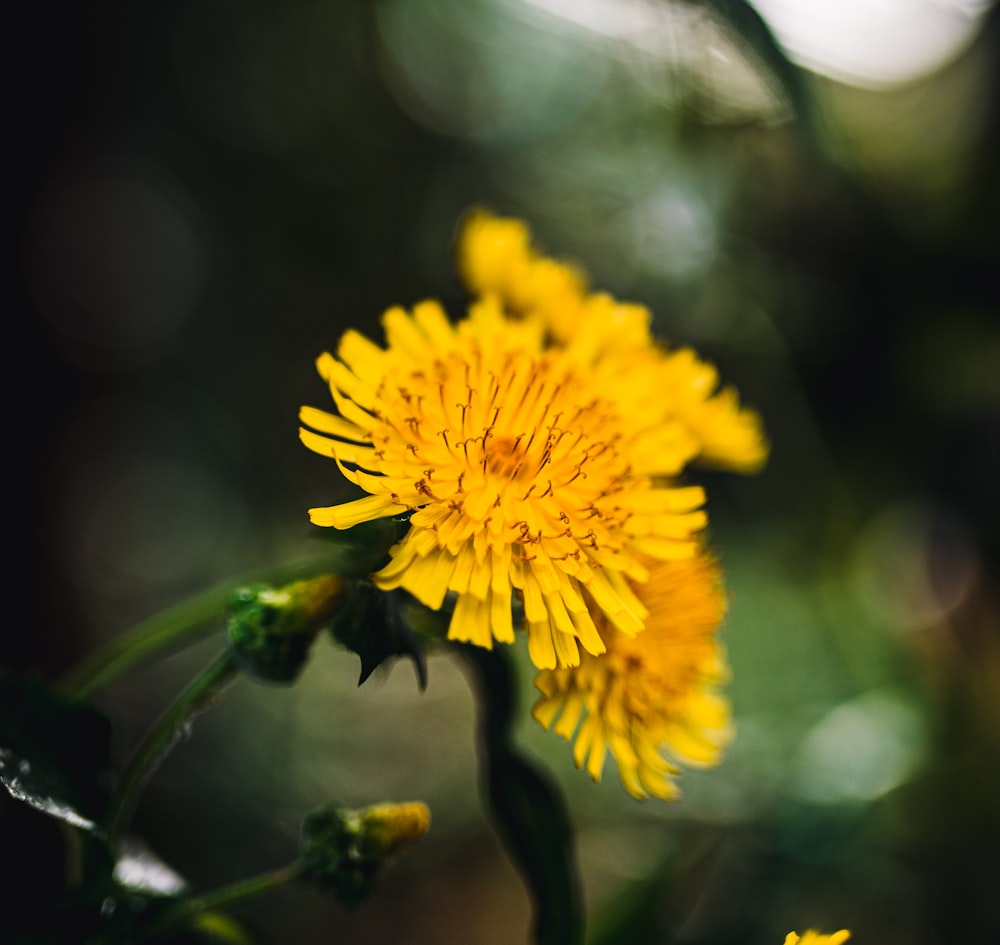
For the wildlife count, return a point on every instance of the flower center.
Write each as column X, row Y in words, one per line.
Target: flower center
column 504, row 455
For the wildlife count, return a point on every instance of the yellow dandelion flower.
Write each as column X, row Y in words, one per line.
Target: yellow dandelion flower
column 650, row 700
column 521, row 477
column 815, row 938
column 696, row 421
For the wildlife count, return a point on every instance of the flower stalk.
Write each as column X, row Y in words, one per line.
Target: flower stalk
column 200, row 694
column 163, row 633
column 186, row 912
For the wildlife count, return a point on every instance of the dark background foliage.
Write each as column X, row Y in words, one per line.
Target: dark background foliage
column 205, row 194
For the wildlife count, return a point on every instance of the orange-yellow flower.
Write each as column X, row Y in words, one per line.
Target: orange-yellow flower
column 651, row 700
column 522, row 476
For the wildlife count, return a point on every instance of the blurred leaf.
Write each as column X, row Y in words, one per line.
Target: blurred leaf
column 528, row 811
column 54, row 754
column 761, row 45
column 371, row 623
column 216, row 927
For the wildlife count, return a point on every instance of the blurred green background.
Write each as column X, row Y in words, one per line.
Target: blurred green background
column 206, row 194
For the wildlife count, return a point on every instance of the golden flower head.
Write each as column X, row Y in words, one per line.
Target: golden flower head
column 651, row 699
column 695, row 420
column 520, row 472
column 815, row 938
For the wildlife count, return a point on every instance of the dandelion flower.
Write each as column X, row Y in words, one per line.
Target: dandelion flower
column 815, row 938
column 650, row 700
column 520, row 473
column 696, row 421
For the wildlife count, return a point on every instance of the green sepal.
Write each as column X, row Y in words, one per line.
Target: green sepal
column 527, row 810
column 343, row 849
column 375, row 625
column 272, row 629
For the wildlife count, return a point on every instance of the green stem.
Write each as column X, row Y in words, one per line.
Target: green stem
column 201, row 693
column 163, row 633
column 188, row 910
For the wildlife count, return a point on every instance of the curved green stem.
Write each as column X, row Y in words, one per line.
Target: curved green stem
column 187, row 911
column 163, row 633
column 201, row 693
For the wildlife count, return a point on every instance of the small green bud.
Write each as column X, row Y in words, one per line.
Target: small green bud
column 343, row 849
column 271, row 629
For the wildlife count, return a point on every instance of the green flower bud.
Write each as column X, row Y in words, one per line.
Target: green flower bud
column 344, row 849
column 271, row 629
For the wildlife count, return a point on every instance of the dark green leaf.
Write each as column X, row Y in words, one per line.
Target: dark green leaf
column 527, row 809
column 54, row 754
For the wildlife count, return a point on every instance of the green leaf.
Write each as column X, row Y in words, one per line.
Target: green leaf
column 760, row 44
column 527, row 809
column 372, row 624
column 55, row 754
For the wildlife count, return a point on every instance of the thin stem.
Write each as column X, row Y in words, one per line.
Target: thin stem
column 163, row 633
column 187, row 911
column 201, row 693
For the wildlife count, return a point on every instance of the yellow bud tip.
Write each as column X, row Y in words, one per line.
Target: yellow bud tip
column 813, row 937
column 316, row 599
column 391, row 829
